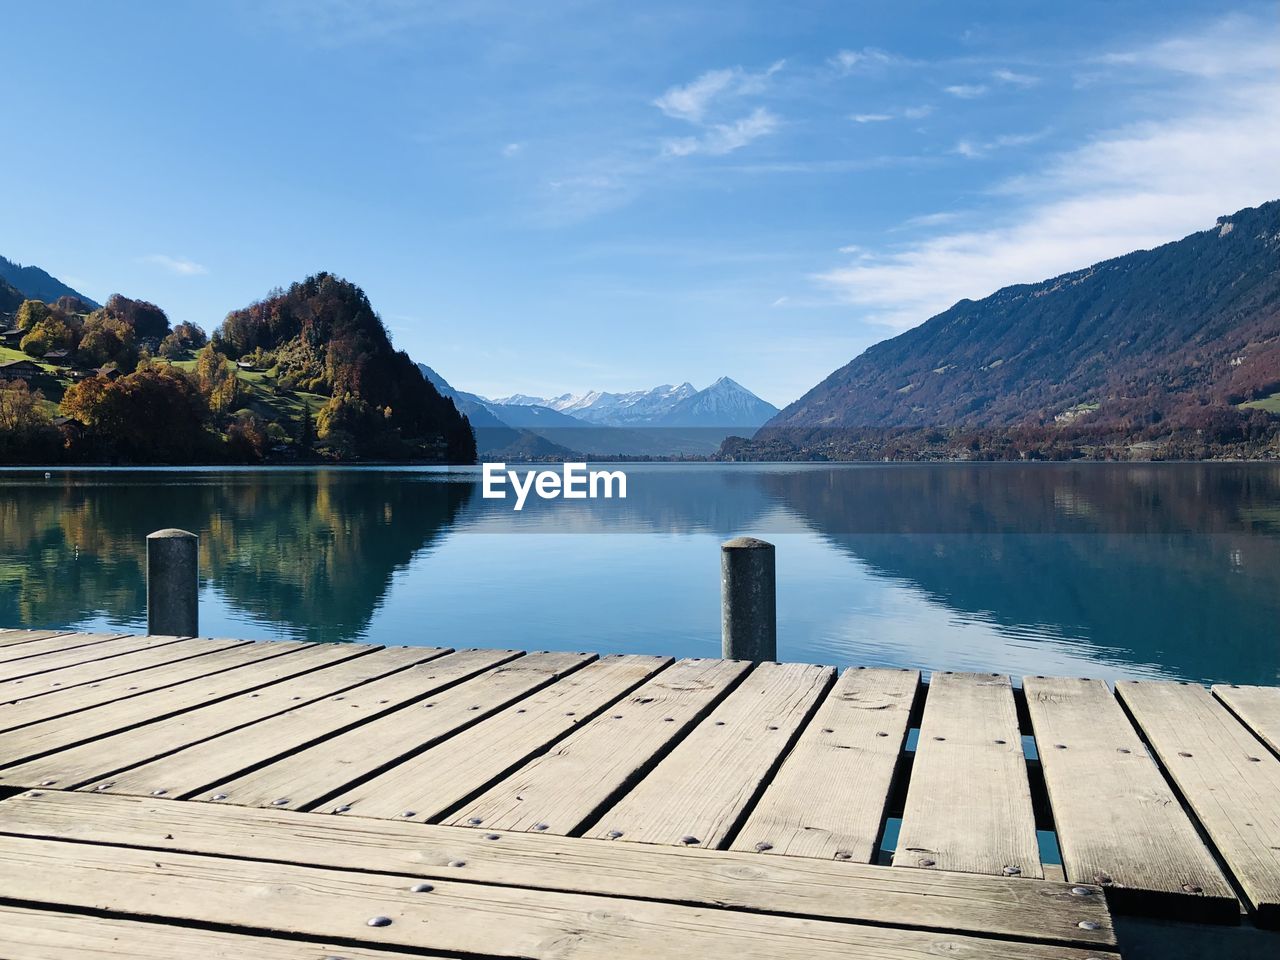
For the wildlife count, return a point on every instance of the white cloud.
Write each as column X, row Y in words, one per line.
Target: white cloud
column 907, row 113
column 1015, row 79
column 974, row 150
column 781, row 301
column 846, row 61
column 512, row 149
column 966, row 91
column 176, row 265
column 1131, row 188
column 722, row 138
column 693, row 101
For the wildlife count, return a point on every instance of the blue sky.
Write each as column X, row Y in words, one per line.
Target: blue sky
column 556, row 197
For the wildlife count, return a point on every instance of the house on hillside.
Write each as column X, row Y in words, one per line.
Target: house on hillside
column 108, row 373
column 60, row 358
column 10, row 337
column 19, row 370
column 245, row 365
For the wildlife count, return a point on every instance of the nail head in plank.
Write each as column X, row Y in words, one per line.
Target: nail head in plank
column 1230, row 781
column 1117, row 820
column 562, row 789
column 484, row 753
column 1257, row 707
column 828, row 799
column 969, row 802
column 698, row 793
column 799, row 886
column 460, row 917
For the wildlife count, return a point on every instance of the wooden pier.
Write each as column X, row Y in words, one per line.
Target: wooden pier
column 178, row 797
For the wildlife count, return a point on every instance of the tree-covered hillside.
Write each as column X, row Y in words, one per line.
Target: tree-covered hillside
column 322, row 336
column 306, row 375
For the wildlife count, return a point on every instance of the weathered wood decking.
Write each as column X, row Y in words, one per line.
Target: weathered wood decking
column 357, row 801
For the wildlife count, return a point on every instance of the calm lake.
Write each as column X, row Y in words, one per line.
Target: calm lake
column 1153, row 570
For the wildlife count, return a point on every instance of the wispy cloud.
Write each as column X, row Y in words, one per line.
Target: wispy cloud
column 967, row 91
column 692, row 101
column 1211, row 153
column 1015, row 79
column 906, row 113
column 696, row 103
column 977, row 149
column 176, row 265
column 722, row 138
column 512, row 149
column 846, row 61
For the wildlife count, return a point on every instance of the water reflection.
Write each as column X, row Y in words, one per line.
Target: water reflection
column 313, row 552
column 1150, row 569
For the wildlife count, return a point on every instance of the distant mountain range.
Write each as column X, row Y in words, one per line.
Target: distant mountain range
column 725, row 403
column 667, row 420
column 1145, row 342
column 35, row 284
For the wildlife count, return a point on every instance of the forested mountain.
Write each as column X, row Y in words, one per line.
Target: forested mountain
column 10, row 300
column 36, row 284
column 1167, row 353
column 1154, row 334
column 322, row 336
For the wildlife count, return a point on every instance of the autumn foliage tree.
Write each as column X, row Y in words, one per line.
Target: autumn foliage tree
column 217, row 380
column 155, row 415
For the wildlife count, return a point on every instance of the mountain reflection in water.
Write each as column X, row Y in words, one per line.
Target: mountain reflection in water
column 1096, row 569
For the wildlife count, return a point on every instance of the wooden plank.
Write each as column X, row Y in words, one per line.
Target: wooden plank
column 699, row 793
column 452, row 916
column 563, row 790
column 969, row 802
column 1030, row 909
column 307, row 776
column 9, row 638
column 828, row 799
column 330, row 670
column 221, row 758
column 488, row 751
column 1229, row 779
column 1118, row 822
column 108, row 659
column 55, row 644
column 27, row 934
column 47, row 701
column 1258, row 709
column 147, row 658
column 53, row 733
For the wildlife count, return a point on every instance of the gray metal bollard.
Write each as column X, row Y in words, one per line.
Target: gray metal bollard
column 748, row 600
column 173, row 583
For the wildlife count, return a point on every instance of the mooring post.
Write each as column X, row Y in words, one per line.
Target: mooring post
column 748, row 600
column 172, row 583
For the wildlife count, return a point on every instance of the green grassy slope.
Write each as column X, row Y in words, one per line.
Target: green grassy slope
column 258, row 389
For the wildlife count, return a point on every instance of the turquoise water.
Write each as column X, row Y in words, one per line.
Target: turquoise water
column 1154, row 570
